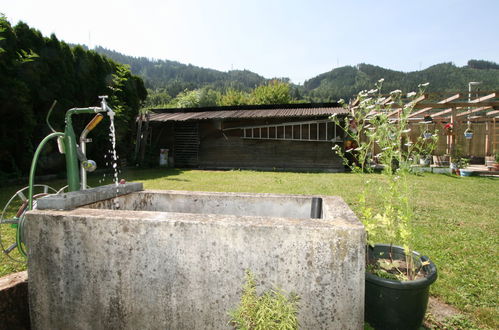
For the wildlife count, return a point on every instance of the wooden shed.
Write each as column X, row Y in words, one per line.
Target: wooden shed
column 263, row 137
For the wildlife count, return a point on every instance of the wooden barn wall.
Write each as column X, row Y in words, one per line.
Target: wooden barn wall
column 229, row 150
column 162, row 137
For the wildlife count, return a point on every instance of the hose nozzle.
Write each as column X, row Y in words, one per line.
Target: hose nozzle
column 94, row 122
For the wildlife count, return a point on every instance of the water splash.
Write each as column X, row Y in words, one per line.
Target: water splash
column 114, row 157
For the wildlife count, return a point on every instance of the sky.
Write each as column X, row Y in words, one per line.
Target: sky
column 298, row 39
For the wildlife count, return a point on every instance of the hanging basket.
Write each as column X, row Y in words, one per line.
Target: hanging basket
column 427, row 135
column 449, row 128
column 468, row 134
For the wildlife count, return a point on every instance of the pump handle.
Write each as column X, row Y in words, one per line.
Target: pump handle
column 48, row 116
column 96, row 120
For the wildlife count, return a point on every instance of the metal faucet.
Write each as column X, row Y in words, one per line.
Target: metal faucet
column 68, row 146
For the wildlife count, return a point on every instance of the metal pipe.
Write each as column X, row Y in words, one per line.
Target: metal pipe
column 70, row 147
column 83, row 146
column 316, row 209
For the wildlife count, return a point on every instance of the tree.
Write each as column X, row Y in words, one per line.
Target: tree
column 275, row 92
column 187, row 99
column 35, row 71
column 204, row 97
column 234, row 97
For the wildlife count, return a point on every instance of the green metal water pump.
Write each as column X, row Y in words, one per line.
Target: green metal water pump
column 74, row 153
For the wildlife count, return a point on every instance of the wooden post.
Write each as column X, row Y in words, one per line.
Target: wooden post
column 494, row 136
column 487, row 137
column 144, row 138
column 137, row 139
column 452, row 137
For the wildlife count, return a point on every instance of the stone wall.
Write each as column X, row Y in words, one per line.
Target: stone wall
column 14, row 311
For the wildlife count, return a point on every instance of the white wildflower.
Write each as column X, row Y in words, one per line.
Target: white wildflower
column 381, row 80
column 366, row 100
column 372, row 91
column 425, row 84
column 406, row 130
column 397, row 91
column 411, row 94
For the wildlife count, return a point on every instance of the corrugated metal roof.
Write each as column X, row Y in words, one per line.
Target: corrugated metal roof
column 246, row 114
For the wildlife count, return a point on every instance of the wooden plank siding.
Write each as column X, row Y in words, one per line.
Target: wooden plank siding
column 228, row 150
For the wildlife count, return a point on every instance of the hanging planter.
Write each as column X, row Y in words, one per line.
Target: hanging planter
column 449, row 128
column 427, row 135
column 468, row 134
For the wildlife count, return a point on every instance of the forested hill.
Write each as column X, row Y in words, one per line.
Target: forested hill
column 347, row 81
column 171, row 78
column 175, row 77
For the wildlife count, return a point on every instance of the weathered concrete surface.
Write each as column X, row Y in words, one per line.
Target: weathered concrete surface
column 122, row 269
column 74, row 199
column 14, row 311
column 201, row 202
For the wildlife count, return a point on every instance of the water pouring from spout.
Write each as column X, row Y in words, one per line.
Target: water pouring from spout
column 112, row 135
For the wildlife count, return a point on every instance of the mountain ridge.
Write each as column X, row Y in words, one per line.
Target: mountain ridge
column 343, row 82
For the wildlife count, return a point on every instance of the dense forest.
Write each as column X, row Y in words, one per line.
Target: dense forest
column 167, row 79
column 173, row 84
column 36, row 70
column 347, row 81
column 175, row 77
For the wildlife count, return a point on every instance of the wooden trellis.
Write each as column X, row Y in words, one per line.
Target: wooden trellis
column 459, row 108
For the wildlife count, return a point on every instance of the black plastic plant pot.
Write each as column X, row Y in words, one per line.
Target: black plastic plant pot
column 391, row 304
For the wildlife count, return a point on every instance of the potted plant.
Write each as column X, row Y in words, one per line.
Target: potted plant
column 425, row 146
column 458, row 161
column 492, row 162
column 397, row 278
column 462, row 164
column 449, row 128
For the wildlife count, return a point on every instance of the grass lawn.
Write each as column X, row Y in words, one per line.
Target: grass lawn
column 456, row 225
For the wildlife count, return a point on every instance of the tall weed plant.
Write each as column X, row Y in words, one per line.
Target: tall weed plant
column 376, row 135
column 270, row 311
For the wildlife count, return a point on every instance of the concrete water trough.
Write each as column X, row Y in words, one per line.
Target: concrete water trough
column 177, row 259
